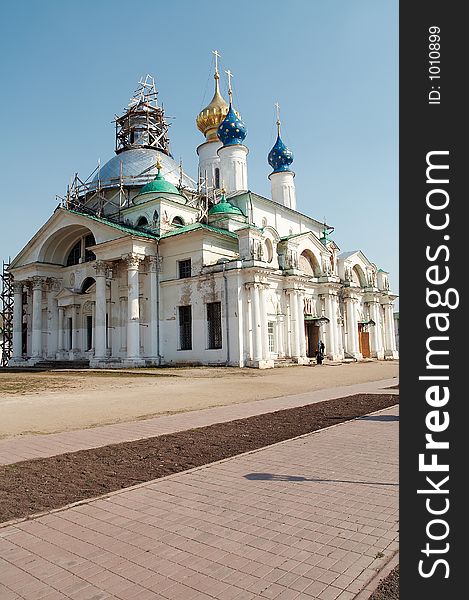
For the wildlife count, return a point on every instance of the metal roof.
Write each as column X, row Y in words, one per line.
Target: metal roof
column 138, row 167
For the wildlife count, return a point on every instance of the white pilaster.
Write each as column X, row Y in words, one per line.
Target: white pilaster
column 256, row 324
column 209, row 161
column 331, row 328
column 289, row 326
column 301, row 324
column 296, row 350
column 377, row 348
column 390, row 336
column 233, row 167
column 280, row 336
column 153, row 265
column 352, row 345
column 60, row 332
column 283, row 188
column 53, row 314
column 100, row 311
column 74, row 349
column 17, row 320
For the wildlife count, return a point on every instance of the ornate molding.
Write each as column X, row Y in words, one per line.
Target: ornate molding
column 154, row 263
column 133, row 260
column 101, row 268
column 18, row 287
column 38, row 283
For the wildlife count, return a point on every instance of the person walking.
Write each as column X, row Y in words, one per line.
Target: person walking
column 320, row 352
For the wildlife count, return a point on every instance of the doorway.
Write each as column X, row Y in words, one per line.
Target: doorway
column 364, row 341
column 312, row 338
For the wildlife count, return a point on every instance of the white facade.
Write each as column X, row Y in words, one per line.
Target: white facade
column 253, row 283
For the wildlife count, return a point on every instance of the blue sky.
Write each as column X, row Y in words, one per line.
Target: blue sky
column 68, row 67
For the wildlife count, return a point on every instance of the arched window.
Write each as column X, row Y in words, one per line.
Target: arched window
column 217, row 178
column 74, row 254
column 178, row 221
column 155, row 217
column 309, row 264
column 85, row 286
column 142, row 222
column 269, row 251
column 89, row 241
column 80, row 253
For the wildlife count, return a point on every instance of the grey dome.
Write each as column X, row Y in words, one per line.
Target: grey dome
column 138, row 168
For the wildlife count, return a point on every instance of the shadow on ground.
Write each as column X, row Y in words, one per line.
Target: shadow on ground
column 274, row 477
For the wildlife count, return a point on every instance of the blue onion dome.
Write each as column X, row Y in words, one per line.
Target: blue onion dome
column 231, row 130
column 280, row 157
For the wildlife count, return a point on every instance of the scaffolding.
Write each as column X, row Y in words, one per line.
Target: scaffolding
column 143, row 125
column 6, row 315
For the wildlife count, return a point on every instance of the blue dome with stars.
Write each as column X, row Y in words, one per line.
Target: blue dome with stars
column 231, row 130
column 280, row 157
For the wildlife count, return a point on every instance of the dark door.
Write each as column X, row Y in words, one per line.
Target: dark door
column 312, row 338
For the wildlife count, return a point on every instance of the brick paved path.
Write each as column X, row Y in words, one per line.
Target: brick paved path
column 37, row 446
column 313, row 517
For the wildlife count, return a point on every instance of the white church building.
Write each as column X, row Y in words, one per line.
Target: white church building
column 142, row 265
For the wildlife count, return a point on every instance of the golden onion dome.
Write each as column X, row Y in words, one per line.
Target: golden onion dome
column 212, row 115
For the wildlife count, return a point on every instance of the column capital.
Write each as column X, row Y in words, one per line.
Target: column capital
column 133, row 260
column 18, row 287
column 101, row 268
column 154, row 263
column 53, row 284
column 260, row 285
column 38, row 282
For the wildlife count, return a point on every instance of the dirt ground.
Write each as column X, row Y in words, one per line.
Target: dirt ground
column 59, row 480
column 388, row 588
column 53, row 401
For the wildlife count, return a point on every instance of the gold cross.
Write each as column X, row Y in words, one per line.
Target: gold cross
column 217, row 56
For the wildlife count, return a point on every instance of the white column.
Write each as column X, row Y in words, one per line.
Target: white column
column 376, row 343
column 133, row 308
column 352, row 327
column 38, row 283
column 100, row 311
column 331, row 345
column 250, row 353
column 296, row 349
column 390, row 345
column 60, row 330
column 289, row 326
column 264, row 321
column 153, row 268
column 17, row 320
column 301, row 324
column 256, row 324
column 73, row 314
column 53, row 311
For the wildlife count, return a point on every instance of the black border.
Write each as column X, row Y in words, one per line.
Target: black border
column 424, row 128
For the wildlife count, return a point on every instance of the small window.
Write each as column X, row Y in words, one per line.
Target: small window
column 271, row 336
column 178, row 221
column 142, row 222
column 214, row 325
column 185, row 328
column 184, row 268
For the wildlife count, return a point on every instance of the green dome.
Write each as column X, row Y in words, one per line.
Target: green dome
column 159, row 184
column 225, row 208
